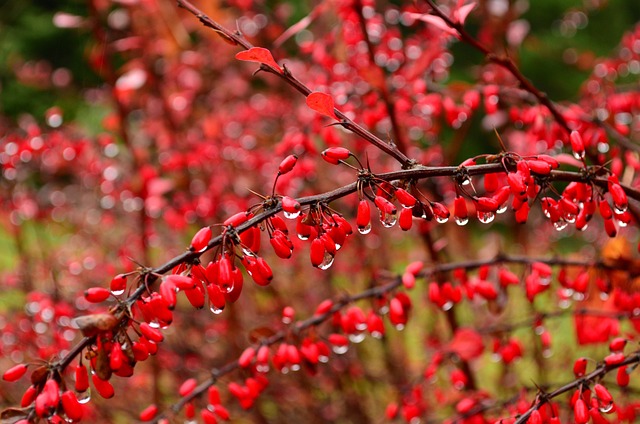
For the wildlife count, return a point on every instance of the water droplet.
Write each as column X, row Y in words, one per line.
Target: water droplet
column 357, row 337
column 303, row 237
column 584, row 227
column 327, row 262
column 247, row 251
column 214, row 309
column 323, row 359
column 291, row 215
column 295, row 367
column 486, row 217
column 388, row 220
column 606, row 408
column 365, row 230
column 263, row 368
column 564, row 304
column 361, row 326
column 441, row 219
column 284, row 370
column 84, row 397
column 619, row 209
column 545, row 281
column 340, row 350
column 578, row 155
column 560, row 225
column 376, row 334
column 399, row 327
column 502, row 209
column 570, row 218
column 383, row 310
column 447, row 305
column 604, row 296
column 338, row 246
column 461, row 221
column 578, row 297
column 622, row 223
column 154, row 324
column 117, row 292
column 547, row 353
column 227, row 288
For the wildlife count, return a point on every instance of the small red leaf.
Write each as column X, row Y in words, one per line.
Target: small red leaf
column 322, row 103
column 259, row 55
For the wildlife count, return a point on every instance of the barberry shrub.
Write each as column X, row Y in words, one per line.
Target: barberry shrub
column 341, row 212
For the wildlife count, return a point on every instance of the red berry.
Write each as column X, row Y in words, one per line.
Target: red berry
column 149, row 413
column 97, row 294
column 14, row 373
column 287, row 164
column 201, row 239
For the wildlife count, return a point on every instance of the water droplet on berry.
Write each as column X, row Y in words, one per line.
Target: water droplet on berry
column 340, row 350
column 619, row 209
column 214, row 309
column 84, row 397
column 560, row 225
column 303, row 237
column 606, row 408
column 486, row 217
column 579, row 156
column 376, row 334
column 291, row 215
column 338, row 246
column 399, row 327
column 365, row 230
column 441, row 219
column 263, row 368
column 461, row 221
column 323, row 359
column 117, row 292
column 226, row 288
column 248, row 252
column 547, row 353
column 295, row 367
column 388, row 220
column 502, row 208
column 154, row 324
column 357, row 337
column 621, row 224
column 447, row 305
column 327, row 262
column 604, row 296
column 570, row 218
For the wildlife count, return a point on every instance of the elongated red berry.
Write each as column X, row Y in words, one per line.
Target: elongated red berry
column 290, row 205
column 97, row 294
column 118, row 284
column 287, row 164
column 149, row 413
column 405, row 198
column 187, row 387
column 82, row 378
column 317, row 252
column 577, row 145
column 72, row 408
column 581, row 412
column 335, row 154
column 103, row 387
column 363, row 218
column 201, row 239
column 151, row 333
column 14, row 373
column 238, row 219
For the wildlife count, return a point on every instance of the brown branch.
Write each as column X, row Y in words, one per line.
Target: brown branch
column 238, row 39
column 401, row 141
column 505, row 62
column 419, row 172
column 378, row 291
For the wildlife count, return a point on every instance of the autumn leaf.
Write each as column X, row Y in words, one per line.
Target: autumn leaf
column 322, row 103
column 259, row 55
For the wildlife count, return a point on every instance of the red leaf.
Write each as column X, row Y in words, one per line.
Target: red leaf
column 259, row 55
column 322, row 103
column 467, row 344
